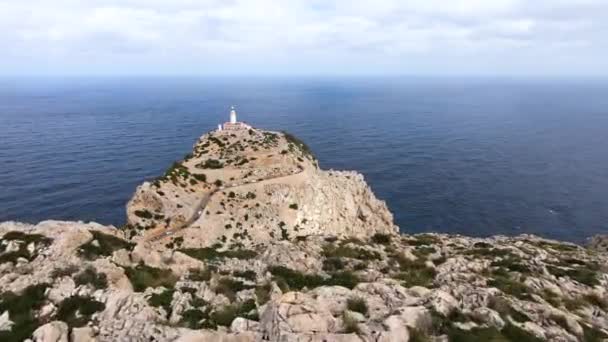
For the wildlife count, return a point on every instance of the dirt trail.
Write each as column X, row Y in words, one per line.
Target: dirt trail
column 159, row 233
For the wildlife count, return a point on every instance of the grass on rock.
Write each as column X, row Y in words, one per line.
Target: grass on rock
column 357, row 304
column 21, row 309
column 143, row 276
column 92, row 277
column 103, row 245
column 76, row 311
column 211, row 253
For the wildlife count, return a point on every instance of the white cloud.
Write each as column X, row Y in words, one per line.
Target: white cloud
column 265, row 36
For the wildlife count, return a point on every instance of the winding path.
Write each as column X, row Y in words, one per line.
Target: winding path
column 205, row 200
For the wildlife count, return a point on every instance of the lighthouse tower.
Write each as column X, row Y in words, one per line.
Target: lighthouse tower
column 232, row 115
column 233, row 124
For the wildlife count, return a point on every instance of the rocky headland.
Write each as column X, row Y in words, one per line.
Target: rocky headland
column 246, row 239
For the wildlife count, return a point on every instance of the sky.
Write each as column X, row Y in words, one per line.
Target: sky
column 299, row 37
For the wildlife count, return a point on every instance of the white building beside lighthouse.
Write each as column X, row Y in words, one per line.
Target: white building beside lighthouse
column 233, row 124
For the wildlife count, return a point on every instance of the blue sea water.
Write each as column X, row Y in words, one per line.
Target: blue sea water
column 470, row 156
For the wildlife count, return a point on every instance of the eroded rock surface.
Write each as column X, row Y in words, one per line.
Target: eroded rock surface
column 387, row 287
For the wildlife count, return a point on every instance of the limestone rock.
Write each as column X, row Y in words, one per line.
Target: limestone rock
column 56, row 331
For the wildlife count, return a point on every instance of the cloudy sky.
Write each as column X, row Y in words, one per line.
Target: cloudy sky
column 268, row 37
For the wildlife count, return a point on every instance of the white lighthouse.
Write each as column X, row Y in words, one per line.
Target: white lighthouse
column 233, row 124
column 232, row 115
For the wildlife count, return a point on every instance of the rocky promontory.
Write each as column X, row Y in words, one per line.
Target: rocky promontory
column 246, row 239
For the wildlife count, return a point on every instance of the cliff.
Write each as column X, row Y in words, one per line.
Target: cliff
column 248, row 186
column 275, row 249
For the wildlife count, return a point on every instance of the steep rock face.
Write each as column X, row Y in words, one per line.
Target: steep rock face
column 252, row 186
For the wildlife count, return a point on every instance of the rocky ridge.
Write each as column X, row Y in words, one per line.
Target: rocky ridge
column 343, row 274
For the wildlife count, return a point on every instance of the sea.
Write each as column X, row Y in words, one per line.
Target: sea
column 473, row 156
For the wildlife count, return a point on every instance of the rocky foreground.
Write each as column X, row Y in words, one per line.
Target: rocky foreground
column 246, row 239
column 85, row 282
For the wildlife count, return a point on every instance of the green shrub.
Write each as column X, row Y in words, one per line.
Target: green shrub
column 345, row 251
column 143, row 276
column 26, row 238
column 293, row 206
column 92, row 277
column 197, row 274
column 76, row 311
column 262, row 293
column 192, row 318
column 305, row 150
column 66, row 271
column 200, row 177
column 22, row 251
column 583, row 275
column 381, row 239
column 21, row 309
column 502, row 306
column 593, row 334
column 106, row 245
column 145, row 214
column 218, row 182
column 163, row 300
column 229, row 287
column 333, row 264
column 489, row 252
column 351, row 326
column 509, row 286
column 415, row 272
column 345, row 278
column 296, row 280
column 210, row 164
column 211, row 253
column 422, row 240
column 357, row 304
column 248, row 274
column 512, row 263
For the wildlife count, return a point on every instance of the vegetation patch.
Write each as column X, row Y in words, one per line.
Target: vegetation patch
column 357, row 304
column 294, row 141
column 102, row 245
column 248, row 274
column 66, row 271
column 145, row 214
column 210, row 164
column 515, row 287
column 585, row 275
column 333, row 264
column 262, row 293
column 351, row 326
column 422, row 240
column 90, row 276
column 23, row 240
column 346, row 251
column 296, row 280
column 211, row 253
column 163, row 300
column 143, row 276
column 21, row 309
column 489, row 252
column 512, row 263
column 381, row 239
column 415, row 272
column 229, row 287
column 76, row 311
column 225, row 315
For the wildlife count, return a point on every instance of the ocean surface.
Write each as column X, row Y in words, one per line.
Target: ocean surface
column 470, row 156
